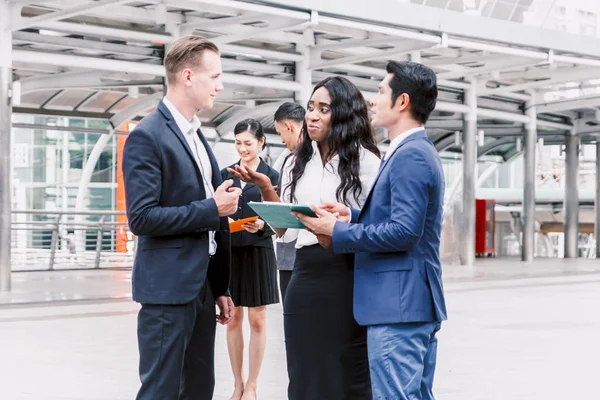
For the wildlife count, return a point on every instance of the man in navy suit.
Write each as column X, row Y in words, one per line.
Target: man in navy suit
column 178, row 205
column 398, row 290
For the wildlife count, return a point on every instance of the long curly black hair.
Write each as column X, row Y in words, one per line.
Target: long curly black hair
column 349, row 130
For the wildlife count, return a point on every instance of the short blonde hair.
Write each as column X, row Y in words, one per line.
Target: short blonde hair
column 186, row 52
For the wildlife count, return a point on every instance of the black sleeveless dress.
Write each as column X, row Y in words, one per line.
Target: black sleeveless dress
column 253, row 281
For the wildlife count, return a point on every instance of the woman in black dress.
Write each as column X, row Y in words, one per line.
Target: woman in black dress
column 253, row 266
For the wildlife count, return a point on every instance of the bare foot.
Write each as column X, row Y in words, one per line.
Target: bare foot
column 237, row 393
column 249, row 393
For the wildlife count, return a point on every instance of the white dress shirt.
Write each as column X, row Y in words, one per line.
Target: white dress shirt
column 190, row 132
column 282, row 161
column 399, row 139
column 319, row 185
column 279, row 162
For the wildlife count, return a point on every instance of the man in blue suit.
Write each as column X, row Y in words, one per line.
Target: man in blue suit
column 398, row 290
column 177, row 205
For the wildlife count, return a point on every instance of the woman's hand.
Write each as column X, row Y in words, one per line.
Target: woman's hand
column 255, row 226
column 261, row 181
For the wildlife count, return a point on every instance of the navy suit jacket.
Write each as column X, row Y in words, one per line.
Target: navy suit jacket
column 250, row 193
column 168, row 210
column 396, row 238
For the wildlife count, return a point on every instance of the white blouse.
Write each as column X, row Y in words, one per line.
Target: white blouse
column 319, row 184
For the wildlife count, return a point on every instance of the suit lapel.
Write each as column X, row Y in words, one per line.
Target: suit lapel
column 216, row 175
column 173, row 126
column 414, row 136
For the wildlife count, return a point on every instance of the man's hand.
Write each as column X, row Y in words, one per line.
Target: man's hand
column 261, row 181
column 226, row 309
column 227, row 198
column 323, row 225
column 343, row 212
column 255, row 226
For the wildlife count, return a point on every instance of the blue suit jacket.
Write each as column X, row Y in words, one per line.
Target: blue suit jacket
column 168, row 210
column 396, row 238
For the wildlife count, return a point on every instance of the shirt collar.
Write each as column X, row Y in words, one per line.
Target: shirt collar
column 317, row 152
column 183, row 124
column 315, row 147
column 399, row 139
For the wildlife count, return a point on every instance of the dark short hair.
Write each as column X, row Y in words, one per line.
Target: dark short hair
column 253, row 126
column 418, row 82
column 290, row 111
column 186, row 52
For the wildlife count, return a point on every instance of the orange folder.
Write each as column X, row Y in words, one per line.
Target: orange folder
column 236, row 226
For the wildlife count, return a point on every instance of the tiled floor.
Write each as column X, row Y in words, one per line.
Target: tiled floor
column 516, row 331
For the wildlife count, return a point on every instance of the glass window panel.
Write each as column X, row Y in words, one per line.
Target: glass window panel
column 21, row 135
column 78, row 122
column 100, row 199
column 97, row 124
column 23, row 175
column 92, row 138
column 103, row 171
column 39, row 164
column 77, row 139
column 76, row 159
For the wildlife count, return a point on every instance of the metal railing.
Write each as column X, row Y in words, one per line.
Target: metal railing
column 60, row 240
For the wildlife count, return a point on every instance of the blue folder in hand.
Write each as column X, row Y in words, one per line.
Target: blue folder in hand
column 279, row 215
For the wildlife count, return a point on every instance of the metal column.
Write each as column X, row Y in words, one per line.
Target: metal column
column 5, row 145
column 467, row 223
column 528, row 236
column 304, row 75
column 571, row 195
column 597, row 203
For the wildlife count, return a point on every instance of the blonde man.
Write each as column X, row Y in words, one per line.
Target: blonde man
column 178, row 205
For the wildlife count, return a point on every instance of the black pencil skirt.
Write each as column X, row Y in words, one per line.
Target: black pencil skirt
column 326, row 349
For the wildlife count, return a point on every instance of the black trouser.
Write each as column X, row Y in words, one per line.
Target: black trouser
column 177, row 349
column 284, row 280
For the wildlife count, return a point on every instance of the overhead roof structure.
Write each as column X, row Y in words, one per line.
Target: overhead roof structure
column 97, row 58
column 498, row 78
column 507, row 10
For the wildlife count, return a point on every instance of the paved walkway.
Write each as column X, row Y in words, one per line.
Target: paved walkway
column 516, row 331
